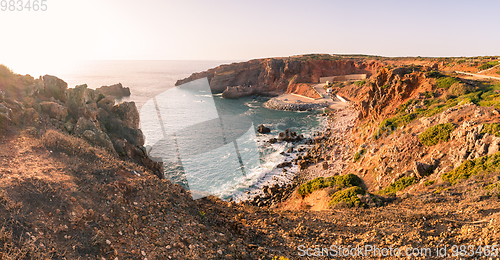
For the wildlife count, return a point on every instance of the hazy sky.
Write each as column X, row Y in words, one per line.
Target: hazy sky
column 241, row 30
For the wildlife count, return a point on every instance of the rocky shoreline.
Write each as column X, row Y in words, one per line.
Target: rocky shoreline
column 328, row 154
column 275, row 103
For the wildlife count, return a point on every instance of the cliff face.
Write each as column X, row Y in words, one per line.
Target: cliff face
column 303, row 89
column 276, row 74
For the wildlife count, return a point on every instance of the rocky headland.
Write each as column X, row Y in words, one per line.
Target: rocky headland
column 116, row 90
column 273, row 76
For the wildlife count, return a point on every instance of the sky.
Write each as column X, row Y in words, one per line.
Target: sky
column 242, row 30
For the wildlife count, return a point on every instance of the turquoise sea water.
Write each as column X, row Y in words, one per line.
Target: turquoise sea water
column 187, row 163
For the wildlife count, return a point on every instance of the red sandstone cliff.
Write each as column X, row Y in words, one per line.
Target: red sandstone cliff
column 276, row 74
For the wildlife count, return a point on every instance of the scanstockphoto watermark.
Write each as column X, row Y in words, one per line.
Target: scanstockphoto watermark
column 339, row 251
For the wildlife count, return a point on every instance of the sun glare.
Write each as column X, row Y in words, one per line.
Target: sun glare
column 37, row 68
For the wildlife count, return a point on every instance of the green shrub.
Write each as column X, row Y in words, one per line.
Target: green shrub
column 402, row 108
column 391, row 124
column 349, row 196
column 469, row 168
column 429, row 182
column 347, row 180
column 316, row 184
column 360, row 83
column 358, row 154
column 445, row 82
column 491, row 128
column 435, row 134
column 428, row 94
column 459, row 89
column 488, row 65
column 398, row 185
column 433, row 74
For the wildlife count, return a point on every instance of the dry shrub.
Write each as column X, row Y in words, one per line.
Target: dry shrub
column 459, row 89
column 61, row 142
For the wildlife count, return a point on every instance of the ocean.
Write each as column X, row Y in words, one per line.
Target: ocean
column 214, row 151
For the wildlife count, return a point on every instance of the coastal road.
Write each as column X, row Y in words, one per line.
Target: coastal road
column 292, row 98
column 477, row 75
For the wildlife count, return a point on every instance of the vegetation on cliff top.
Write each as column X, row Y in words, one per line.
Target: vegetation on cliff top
column 347, row 180
column 491, row 128
column 433, row 135
column 485, row 164
column 445, row 82
column 398, row 185
column 348, row 196
column 358, row 154
column 488, row 65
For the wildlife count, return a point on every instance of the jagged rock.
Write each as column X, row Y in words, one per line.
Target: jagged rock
column 54, row 110
column 263, row 130
column 16, row 111
column 55, row 87
column 302, row 164
column 289, row 136
column 4, row 116
column 4, row 109
column 92, row 133
column 79, row 96
column 116, row 90
column 494, row 146
column 107, row 103
column 4, row 120
column 31, row 115
column 325, row 165
column 68, row 126
column 239, row 91
column 422, row 169
column 127, row 111
column 284, row 164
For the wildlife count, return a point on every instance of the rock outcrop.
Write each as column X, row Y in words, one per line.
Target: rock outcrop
column 47, row 103
column 263, row 130
column 278, row 104
column 116, row 90
column 55, row 87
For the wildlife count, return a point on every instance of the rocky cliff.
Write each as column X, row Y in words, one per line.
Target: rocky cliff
column 423, row 143
column 274, row 75
column 47, row 103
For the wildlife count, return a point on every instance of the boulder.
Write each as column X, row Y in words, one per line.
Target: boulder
column 422, row 169
column 55, row 87
column 30, row 115
column 284, row 164
column 289, row 136
column 106, row 103
column 128, row 113
column 325, row 165
column 4, row 116
column 240, row 91
column 54, row 110
column 263, row 130
column 116, row 90
column 92, row 133
column 79, row 96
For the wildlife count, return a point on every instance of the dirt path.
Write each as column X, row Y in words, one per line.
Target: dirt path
column 477, row 75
